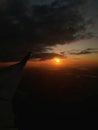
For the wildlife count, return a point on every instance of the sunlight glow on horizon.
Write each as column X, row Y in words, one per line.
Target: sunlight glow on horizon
column 58, row 63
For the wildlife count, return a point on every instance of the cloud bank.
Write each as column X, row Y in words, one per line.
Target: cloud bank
column 24, row 29
column 84, row 52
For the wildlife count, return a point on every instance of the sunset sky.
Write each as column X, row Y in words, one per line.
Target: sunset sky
column 49, row 51
column 65, row 29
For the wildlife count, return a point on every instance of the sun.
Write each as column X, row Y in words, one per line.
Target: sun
column 57, row 60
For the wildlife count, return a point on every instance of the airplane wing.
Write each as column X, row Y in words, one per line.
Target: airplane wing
column 10, row 78
column 9, row 81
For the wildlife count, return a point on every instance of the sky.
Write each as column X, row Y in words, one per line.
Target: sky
column 67, row 29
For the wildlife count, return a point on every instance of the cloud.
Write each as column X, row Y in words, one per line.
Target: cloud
column 84, row 52
column 36, row 56
column 24, row 29
column 46, row 56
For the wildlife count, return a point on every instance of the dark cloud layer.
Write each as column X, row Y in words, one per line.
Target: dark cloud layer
column 84, row 52
column 35, row 56
column 46, row 56
column 24, row 29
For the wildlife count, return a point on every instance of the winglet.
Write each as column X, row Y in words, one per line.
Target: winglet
column 25, row 59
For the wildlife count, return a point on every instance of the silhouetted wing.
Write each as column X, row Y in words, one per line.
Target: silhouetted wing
column 10, row 78
column 9, row 81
